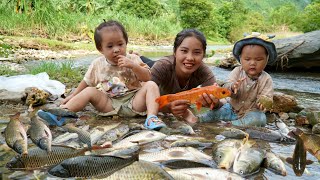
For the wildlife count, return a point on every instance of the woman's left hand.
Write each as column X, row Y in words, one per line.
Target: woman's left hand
column 208, row 100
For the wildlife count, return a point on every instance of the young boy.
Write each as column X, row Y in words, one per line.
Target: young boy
column 248, row 83
column 113, row 82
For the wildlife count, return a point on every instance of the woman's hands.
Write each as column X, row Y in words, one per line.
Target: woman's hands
column 208, row 100
column 178, row 107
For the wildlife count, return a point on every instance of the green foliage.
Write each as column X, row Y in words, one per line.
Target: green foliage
column 311, row 17
column 155, row 20
column 233, row 20
column 64, row 72
column 196, row 14
column 141, row 9
column 285, row 15
column 5, row 50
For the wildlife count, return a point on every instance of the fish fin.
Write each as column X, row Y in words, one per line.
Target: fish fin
column 308, row 162
column 162, row 101
column 97, row 147
column 199, row 105
column 289, row 160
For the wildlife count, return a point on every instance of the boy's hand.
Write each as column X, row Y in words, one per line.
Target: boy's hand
column 261, row 107
column 123, row 61
column 208, row 100
column 179, row 107
column 236, row 85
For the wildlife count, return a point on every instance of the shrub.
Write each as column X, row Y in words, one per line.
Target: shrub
column 141, row 9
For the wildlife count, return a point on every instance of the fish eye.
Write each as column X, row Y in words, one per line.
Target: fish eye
column 241, row 172
column 223, row 92
column 220, row 156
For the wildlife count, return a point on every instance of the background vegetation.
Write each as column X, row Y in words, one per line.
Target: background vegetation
column 153, row 20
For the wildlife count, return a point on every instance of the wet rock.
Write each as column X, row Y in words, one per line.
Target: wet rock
column 271, row 117
column 284, row 116
column 292, row 115
column 313, row 117
column 316, row 129
column 301, row 120
column 290, row 122
column 11, row 97
column 285, row 103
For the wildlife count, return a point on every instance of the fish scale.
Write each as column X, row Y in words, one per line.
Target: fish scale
column 193, row 95
column 15, row 135
column 140, row 170
column 91, row 166
column 83, row 135
column 38, row 158
column 40, row 134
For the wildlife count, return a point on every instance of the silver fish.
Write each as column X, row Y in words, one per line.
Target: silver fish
column 40, row 134
column 248, row 161
column 202, row 174
column 15, row 135
column 140, row 170
column 183, row 153
column 97, row 132
column 64, row 137
column 275, row 164
column 94, row 166
column 114, row 134
column 225, row 152
column 38, row 158
column 84, row 136
column 141, row 138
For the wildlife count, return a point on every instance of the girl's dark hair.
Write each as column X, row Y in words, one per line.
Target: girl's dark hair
column 189, row 33
column 110, row 23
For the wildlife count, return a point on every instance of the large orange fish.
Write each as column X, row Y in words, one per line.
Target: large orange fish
column 193, row 95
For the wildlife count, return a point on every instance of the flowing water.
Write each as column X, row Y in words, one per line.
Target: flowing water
column 304, row 86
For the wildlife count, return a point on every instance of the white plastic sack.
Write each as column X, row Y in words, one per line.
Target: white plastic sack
column 41, row 81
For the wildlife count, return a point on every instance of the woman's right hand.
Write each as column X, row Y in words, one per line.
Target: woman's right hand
column 179, row 107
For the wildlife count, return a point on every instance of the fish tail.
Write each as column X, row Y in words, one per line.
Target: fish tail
column 162, row 101
column 297, row 132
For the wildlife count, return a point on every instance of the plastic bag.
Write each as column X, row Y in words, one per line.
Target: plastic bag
column 41, row 81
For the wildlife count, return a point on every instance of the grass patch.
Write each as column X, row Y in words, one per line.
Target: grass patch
column 64, row 72
column 5, row 70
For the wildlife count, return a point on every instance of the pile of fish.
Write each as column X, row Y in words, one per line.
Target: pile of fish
column 127, row 150
column 244, row 159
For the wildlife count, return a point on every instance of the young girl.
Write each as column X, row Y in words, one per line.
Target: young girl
column 112, row 83
column 249, row 84
column 184, row 70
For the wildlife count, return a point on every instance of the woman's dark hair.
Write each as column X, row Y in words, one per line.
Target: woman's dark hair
column 189, row 33
column 110, row 23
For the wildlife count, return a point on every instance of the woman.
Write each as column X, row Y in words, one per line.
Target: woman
column 184, row 70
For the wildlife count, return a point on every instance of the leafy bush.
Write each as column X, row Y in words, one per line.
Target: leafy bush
column 311, row 17
column 196, row 14
column 141, row 9
column 285, row 15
